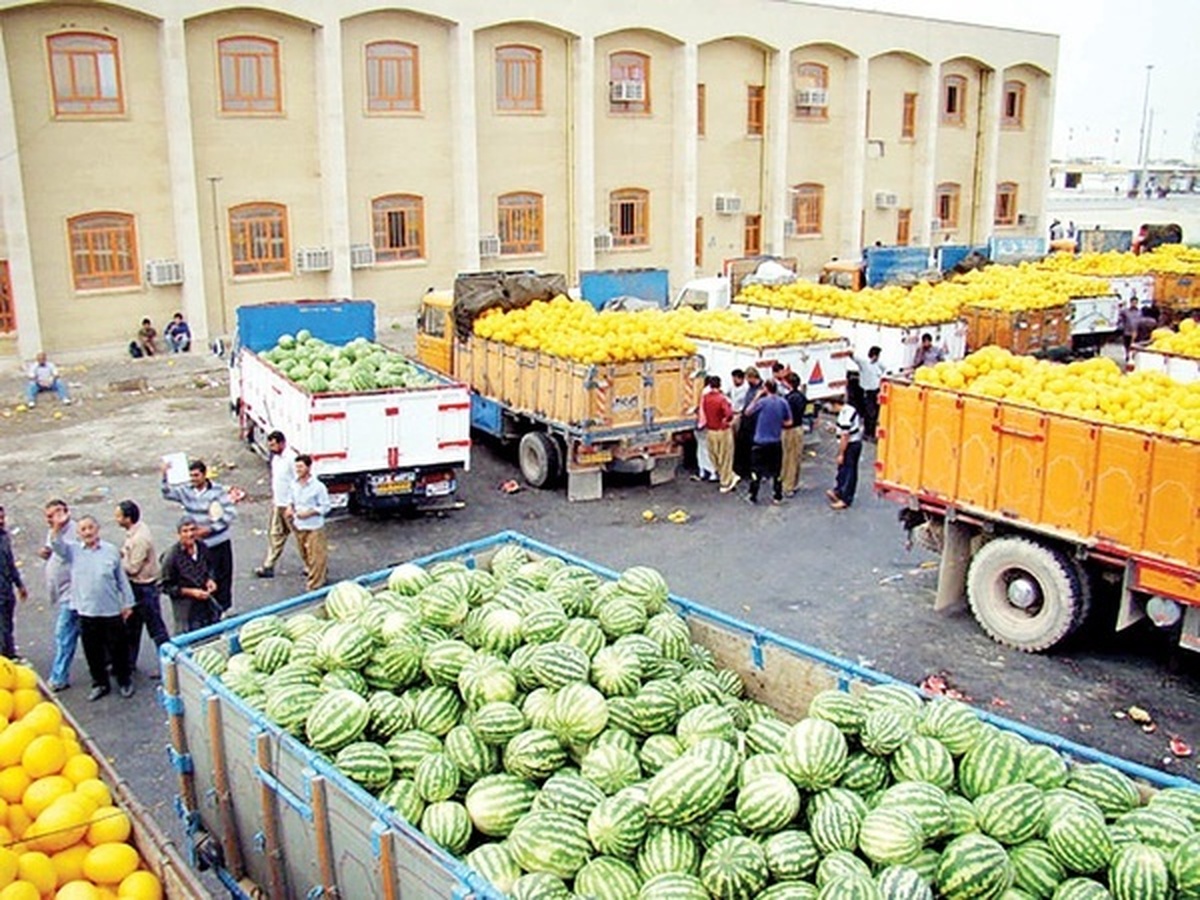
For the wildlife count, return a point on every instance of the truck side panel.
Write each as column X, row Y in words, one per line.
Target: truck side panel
column 334, row 321
column 1123, row 490
column 821, row 365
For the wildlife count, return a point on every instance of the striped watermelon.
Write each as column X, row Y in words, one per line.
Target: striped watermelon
column 499, row 630
column 538, row 707
column 584, row 634
column 272, row 652
column 1044, row 767
column 620, row 615
column 344, row 645
column 616, row 737
column 687, row 790
column 720, row 753
column 486, row 679
column 722, row 824
column 436, row 709
column 962, row 815
column 849, row 887
column 1139, row 872
column 580, row 713
column 840, row 865
column 667, row 849
column 814, row 754
column 290, row 705
column 848, row 799
column 758, row 764
column 893, row 695
column 658, row 750
column 346, row 600
column 444, row 660
column 210, row 660
column 436, row 777
column 973, row 867
column 734, row 869
column 535, row 754
column 656, row 708
column 705, row 721
column 843, row 709
column 1159, row 827
column 890, row 835
column 607, row 878
column 496, row 864
column 345, row 680
column 252, row 633
column 1184, row 864
column 991, row 764
column 471, row 756
column 865, row 773
column 953, row 723
column 556, row 664
column 406, row 749
column 550, row 842
column 766, row 735
column 570, row 794
column 790, row 890
column 673, row 886
column 1035, row 868
column 926, row 864
column 496, row 802
column 791, row 855
column 616, row 671
column 923, row 758
column 1114, row 792
column 644, row 648
column 408, row 579
column 617, row 826
column 671, row 634
column 396, row 665
column 902, row 883
column 541, row 626
column 927, row 803
column 647, row 585
column 540, row 886
column 401, row 795
column 834, row 826
column 447, row 824
column 300, row 624
column 294, row 673
column 886, row 729
column 1081, row 889
column 444, row 604
column 610, row 767
column 337, row 719
column 1079, row 841
column 497, row 723
column 1012, row 814
column 1184, row 801
column 768, row 803
column 366, row 763
column 701, row 686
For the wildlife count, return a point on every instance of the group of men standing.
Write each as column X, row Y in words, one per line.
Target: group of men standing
column 105, row 595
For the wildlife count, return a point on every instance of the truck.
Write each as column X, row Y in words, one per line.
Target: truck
column 1037, row 516
column 1022, row 331
column 719, row 291
column 569, row 419
column 275, row 818
column 821, row 365
column 1185, row 369
column 399, row 448
column 604, row 287
column 880, row 266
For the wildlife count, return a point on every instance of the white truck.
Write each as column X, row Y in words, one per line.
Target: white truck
column 1184, row 369
column 390, row 448
column 821, row 365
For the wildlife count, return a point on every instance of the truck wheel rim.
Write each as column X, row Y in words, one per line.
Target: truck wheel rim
column 1023, row 592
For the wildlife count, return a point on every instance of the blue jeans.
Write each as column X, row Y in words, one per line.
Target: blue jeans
column 66, row 638
column 33, row 389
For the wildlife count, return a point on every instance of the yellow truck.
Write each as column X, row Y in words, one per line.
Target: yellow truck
column 1039, row 515
column 570, row 419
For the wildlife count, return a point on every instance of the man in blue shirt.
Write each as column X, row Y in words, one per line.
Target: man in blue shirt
column 103, row 598
column 771, row 415
column 211, row 506
column 307, row 511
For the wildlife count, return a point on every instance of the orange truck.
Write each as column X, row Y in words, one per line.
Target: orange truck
column 1039, row 516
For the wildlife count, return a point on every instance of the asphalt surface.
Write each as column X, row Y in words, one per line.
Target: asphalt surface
column 840, row 581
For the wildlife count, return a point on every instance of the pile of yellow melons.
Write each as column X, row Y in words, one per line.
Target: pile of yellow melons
column 61, row 836
column 1094, row 389
column 1185, row 341
column 1172, row 258
column 924, row 304
column 1024, row 287
column 729, row 327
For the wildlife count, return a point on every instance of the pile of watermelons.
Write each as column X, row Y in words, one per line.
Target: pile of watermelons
column 360, row 365
column 565, row 736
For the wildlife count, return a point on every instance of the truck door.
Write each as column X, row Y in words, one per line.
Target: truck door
column 435, row 334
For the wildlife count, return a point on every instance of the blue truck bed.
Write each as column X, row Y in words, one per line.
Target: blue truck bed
column 333, row 321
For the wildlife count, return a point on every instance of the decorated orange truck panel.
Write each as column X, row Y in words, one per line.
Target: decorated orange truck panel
column 1021, row 331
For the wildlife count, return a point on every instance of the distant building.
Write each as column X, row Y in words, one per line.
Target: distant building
column 194, row 156
column 1100, row 177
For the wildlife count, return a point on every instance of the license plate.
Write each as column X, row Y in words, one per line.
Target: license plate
column 385, row 486
column 439, row 488
column 339, row 501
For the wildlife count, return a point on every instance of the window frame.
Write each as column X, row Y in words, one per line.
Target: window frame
column 638, row 236
column 400, row 102
column 698, row 238
column 957, row 116
column 818, row 74
column 507, row 216
column 410, row 210
column 1007, row 194
column 506, row 63
column 1015, row 121
column 240, row 222
column 805, row 196
column 701, row 109
column 752, row 234
column 624, row 63
column 756, row 110
column 903, row 227
column 98, row 105
column 91, row 227
column 948, row 193
column 908, row 116
column 272, row 51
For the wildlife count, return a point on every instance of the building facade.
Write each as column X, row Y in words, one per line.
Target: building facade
column 180, row 155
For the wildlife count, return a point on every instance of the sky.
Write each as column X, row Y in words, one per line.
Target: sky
column 1104, row 48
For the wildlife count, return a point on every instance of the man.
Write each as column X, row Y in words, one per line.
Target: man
column 704, row 463
column 793, row 435
column 870, row 375
column 743, row 423
column 771, row 415
column 211, row 509
column 850, row 434
column 58, row 588
column 187, row 578
column 43, row 376
column 141, row 566
column 307, row 510
column 1127, row 323
column 283, row 476
column 103, row 600
column 927, row 354
column 718, row 433
column 738, row 389
column 12, row 588
column 178, row 334
column 146, row 337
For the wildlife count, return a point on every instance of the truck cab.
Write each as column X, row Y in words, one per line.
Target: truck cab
column 844, row 273
column 435, row 331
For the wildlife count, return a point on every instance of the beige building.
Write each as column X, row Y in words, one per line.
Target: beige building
column 184, row 155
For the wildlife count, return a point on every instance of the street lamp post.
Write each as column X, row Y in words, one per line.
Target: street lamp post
column 213, row 181
column 1143, row 143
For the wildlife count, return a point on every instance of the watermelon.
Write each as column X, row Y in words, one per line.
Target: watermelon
column 666, row 849
column 834, row 826
column 496, row 864
column 289, row 706
column 657, row 707
column 1184, row 801
column 447, row 824
column 890, row 835
column 759, row 764
column 1035, row 868
column 973, row 867
column 344, row 645
column 617, row 826
column 471, row 756
column 886, row 729
column 953, row 723
column 902, row 883
column 345, row 679
column 849, row 887
column 580, row 713
column 621, row 615
column 923, row 758
column 535, row 754
column 687, row 790
column 557, row 664
column 927, row 803
column 272, row 652
column 1139, row 872
column 843, row 709
column 1079, row 840
column 444, row 605
column 607, row 878
column 407, row 748
column 865, row 773
column 839, row 866
column 1160, row 827
column 673, row 886
column 436, row 709
column 708, row 720
column 814, row 754
column 767, row 803
column 991, row 764
column 724, row 823
column 568, row 793
column 436, row 778
column 337, row 719
column 647, row 585
column 1184, row 864
column 611, row 767
column 734, row 868
column 396, row 665
column 210, row 660
column 401, row 795
column 408, row 579
column 254, row 632
column 1012, row 814
column 1114, row 792
column 366, row 763
column 550, row 842
column 1081, row 889
column 791, row 855
column 790, row 890
column 658, row 750
column 495, row 803
column 346, row 600
column 1044, row 767
column 766, row 735
column 497, row 723
column 584, row 634
column 486, row 679
column 443, row 661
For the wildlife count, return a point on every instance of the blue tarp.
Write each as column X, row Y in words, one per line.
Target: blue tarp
column 334, row 321
column 601, row 285
column 884, row 264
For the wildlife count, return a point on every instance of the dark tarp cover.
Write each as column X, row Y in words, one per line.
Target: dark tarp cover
column 476, row 293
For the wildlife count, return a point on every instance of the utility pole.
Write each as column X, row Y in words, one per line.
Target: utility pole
column 213, row 181
column 1143, row 144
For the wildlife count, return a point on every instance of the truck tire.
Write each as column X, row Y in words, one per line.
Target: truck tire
column 539, row 459
column 1024, row 595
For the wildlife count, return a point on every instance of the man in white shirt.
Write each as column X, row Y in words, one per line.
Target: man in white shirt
column 307, row 509
column 870, row 373
column 43, row 376
column 283, row 476
column 850, row 435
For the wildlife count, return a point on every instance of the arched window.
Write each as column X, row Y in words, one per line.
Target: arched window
column 954, row 100
column 521, row 227
column 629, row 82
column 1006, row 203
column 1013, row 114
column 250, row 75
column 258, row 240
column 949, row 195
column 808, row 208
column 810, row 84
column 393, row 77
column 85, row 74
column 103, row 251
column 518, row 78
column 398, row 227
column 629, row 217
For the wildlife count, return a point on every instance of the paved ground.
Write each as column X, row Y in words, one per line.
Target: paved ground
column 839, row 581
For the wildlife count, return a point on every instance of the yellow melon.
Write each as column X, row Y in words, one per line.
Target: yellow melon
column 21, row 890
column 68, row 863
column 13, row 741
column 109, row 825
column 141, row 885
column 44, row 718
column 110, row 863
column 43, row 792
column 81, row 767
column 38, row 870
column 45, row 755
column 77, row 890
